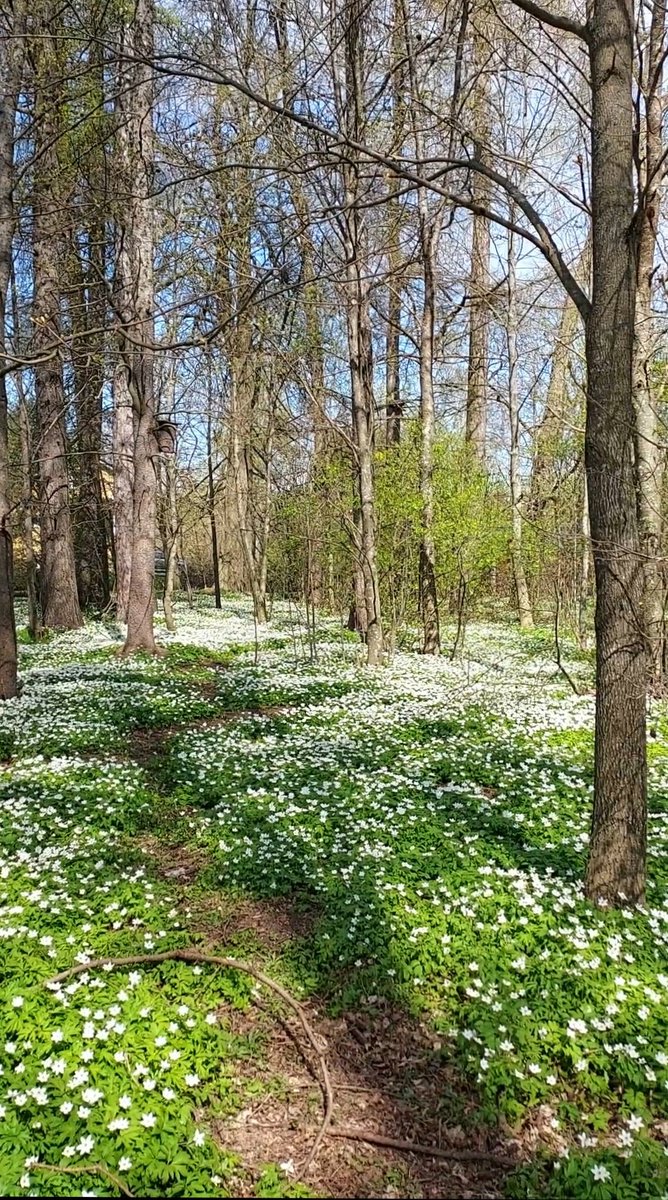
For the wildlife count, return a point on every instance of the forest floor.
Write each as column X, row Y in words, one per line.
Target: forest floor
column 400, row 849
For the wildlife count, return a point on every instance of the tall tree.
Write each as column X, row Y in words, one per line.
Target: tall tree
column 395, row 282
column 616, row 866
column 135, row 304
column 30, row 565
column 211, row 499
column 650, row 450
column 479, row 276
column 88, row 305
column 58, row 585
column 358, row 324
column 11, row 66
column 519, row 575
column 429, row 228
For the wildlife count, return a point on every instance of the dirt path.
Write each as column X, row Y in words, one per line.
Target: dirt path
column 388, row 1072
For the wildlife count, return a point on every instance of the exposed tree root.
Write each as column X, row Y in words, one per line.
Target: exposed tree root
column 379, row 1139
column 127, row 651
column 197, row 956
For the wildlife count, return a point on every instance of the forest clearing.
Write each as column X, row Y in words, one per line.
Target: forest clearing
column 403, row 851
column 333, row 598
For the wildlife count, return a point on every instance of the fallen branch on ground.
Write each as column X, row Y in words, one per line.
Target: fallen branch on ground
column 379, row 1139
column 91, row 1169
column 234, row 964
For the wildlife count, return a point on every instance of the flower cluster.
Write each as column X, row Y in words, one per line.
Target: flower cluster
column 437, row 815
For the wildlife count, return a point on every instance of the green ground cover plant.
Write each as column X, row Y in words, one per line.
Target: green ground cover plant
column 434, row 817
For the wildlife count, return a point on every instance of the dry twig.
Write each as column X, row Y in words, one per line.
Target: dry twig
column 190, row 955
column 379, row 1139
column 90, row 1169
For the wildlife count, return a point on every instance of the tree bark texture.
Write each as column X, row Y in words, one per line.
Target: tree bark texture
column 90, row 524
column 649, row 448
column 212, row 511
column 616, row 866
column 135, row 302
column 58, row 585
column 11, row 66
column 123, row 438
column 393, row 401
column 359, row 330
column 34, row 623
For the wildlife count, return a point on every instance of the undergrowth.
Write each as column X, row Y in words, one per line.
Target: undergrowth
column 434, row 817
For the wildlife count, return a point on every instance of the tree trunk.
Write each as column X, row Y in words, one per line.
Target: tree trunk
column 358, row 620
column 429, row 225
column 263, row 548
column 428, row 593
column 240, row 401
column 141, row 600
column 135, row 301
column 88, row 314
column 616, row 867
column 125, row 417
column 212, row 511
column 123, row 460
column 58, row 584
column 479, row 280
column 314, row 375
column 393, row 403
column 27, row 521
column 172, row 532
column 650, row 451
column 8, row 653
column 359, row 329
column 519, row 575
column 316, row 371
column 359, row 343
column 11, row 65
column 88, row 311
